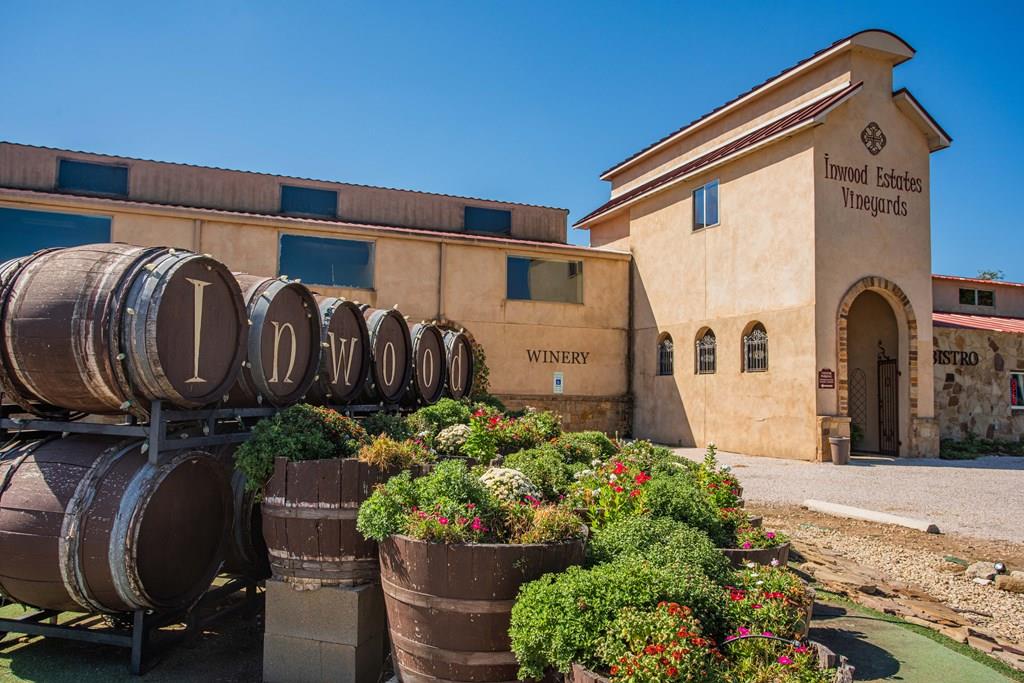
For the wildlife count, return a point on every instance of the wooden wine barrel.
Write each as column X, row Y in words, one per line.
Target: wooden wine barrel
column 345, row 354
column 391, row 347
column 429, row 363
column 283, row 356
column 449, row 606
column 246, row 551
column 88, row 525
column 107, row 328
column 309, row 521
column 460, row 364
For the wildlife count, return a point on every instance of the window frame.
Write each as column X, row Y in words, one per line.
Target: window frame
column 664, row 369
column 700, row 346
column 372, row 265
column 747, row 365
column 306, row 214
column 976, row 297
column 583, row 293
column 718, row 205
column 95, row 193
column 1020, row 382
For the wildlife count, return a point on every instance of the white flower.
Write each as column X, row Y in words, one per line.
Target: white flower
column 612, row 477
column 750, row 565
column 595, row 463
column 596, row 492
column 775, row 562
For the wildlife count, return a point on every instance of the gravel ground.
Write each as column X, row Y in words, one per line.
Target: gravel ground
column 981, row 498
column 929, row 570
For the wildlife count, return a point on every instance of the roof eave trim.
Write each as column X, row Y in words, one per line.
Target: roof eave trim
column 938, row 138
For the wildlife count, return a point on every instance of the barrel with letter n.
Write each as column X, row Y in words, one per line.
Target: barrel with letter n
column 345, row 352
column 459, row 356
column 283, row 357
column 391, row 349
column 88, row 524
column 429, row 364
column 109, row 328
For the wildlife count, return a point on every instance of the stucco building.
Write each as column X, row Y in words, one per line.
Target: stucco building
column 760, row 278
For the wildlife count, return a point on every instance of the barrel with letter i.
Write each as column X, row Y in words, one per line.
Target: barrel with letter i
column 283, row 356
column 459, row 352
column 109, row 328
column 391, row 347
column 345, row 352
column 429, row 364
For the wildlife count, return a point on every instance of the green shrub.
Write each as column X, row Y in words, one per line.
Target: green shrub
column 488, row 401
column 646, row 455
column 673, row 493
column 585, row 447
column 388, row 454
column 301, row 432
column 546, row 424
column 974, row 446
column 660, row 541
column 389, row 424
column 445, row 413
column 546, row 468
column 560, row 618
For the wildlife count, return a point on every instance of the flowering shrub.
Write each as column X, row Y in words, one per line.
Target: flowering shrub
column 645, row 455
column 509, row 485
column 673, row 493
column 560, row 618
column 660, row 645
column 301, row 432
column 447, row 524
column 388, row 454
column 546, row 468
column 390, row 424
column 583, row 447
column 719, row 483
column 768, row 600
column 760, row 660
column 612, row 491
column 662, row 542
column 438, row 416
column 546, row 424
column 757, row 538
column 449, row 440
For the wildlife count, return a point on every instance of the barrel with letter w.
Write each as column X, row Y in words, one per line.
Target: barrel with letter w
column 428, row 363
column 459, row 352
column 345, row 352
column 109, row 328
column 283, row 356
column 391, row 348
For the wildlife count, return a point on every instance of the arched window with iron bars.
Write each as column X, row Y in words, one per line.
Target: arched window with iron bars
column 706, row 353
column 755, row 349
column 665, row 355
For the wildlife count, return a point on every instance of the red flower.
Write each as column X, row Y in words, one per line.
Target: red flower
column 618, row 489
column 671, row 671
column 619, row 468
column 642, row 477
column 634, row 493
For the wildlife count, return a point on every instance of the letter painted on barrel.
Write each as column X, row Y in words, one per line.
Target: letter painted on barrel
column 197, row 326
column 279, row 330
column 339, row 357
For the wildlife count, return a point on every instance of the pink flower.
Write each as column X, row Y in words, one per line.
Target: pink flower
column 477, row 525
column 442, row 520
column 783, row 659
column 743, row 631
column 768, row 634
column 756, row 606
column 769, row 534
column 801, row 649
column 747, row 545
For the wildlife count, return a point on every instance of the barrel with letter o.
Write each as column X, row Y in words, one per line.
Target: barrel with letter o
column 109, row 328
column 429, row 363
column 345, row 352
column 283, row 356
column 459, row 352
column 391, row 348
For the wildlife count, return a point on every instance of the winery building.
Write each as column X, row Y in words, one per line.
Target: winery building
column 760, row 278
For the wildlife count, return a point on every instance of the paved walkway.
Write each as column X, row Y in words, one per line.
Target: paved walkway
column 982, row 498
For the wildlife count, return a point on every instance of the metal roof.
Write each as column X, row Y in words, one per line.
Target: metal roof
column 977, row 281
column 992, row 323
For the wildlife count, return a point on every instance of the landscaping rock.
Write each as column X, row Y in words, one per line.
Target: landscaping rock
column 1014, row 584
column 981, row 570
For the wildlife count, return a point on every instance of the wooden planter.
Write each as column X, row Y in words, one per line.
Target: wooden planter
column 739, row 557
column 309, row 522
column 449, row 606
column 754, row 520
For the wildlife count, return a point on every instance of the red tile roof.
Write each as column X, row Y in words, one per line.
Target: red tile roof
column 977, row 281
column 994, row 323
column 757, row 87
column 802, row 115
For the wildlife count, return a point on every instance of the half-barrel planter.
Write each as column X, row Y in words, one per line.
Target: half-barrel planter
column 449, row 606
column 741, row 556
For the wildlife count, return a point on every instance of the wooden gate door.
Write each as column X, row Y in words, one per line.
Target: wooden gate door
column 888, row 407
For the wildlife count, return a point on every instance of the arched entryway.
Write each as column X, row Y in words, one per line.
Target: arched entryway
column 877, row 383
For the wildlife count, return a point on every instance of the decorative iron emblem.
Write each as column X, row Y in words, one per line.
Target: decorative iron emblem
column 873, row 138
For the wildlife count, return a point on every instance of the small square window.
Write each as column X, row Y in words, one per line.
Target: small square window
column 968, row 297
column 986, row 297
column 705, row 206
column 309, row 201
column 83, row 176
column 494, row 221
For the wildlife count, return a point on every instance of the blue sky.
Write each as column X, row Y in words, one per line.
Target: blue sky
column 524, row 101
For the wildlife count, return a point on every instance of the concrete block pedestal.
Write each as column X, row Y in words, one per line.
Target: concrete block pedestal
column 336, row 634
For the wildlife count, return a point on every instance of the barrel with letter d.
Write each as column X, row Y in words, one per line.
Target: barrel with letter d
column 428, row 363
column 283, row 356
column 345, row 352
column 391, row 347
column 109, row 328
column 459, row 353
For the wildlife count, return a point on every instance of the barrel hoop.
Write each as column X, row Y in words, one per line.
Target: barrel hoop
column 447, row 604
column 289, row 512
column 8, row 384
column 68, row 545
column 361, row 571
column 463, row 657
column 327, row 561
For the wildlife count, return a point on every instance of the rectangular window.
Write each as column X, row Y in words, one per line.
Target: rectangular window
column 327, row 261
column 494, row 221
column 533, row 279
column 968, row 297
column 309, row 201
column 1017, row 390
column 83, row 176
column 23, row 232
column 986, row 297
column 705, row 206
column 977, row 297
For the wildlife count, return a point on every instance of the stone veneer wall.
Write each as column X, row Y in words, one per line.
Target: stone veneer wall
column 975, row 399
column 608, row 414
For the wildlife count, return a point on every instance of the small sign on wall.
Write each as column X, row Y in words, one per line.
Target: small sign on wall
column 558, row 383
column 826, row 379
